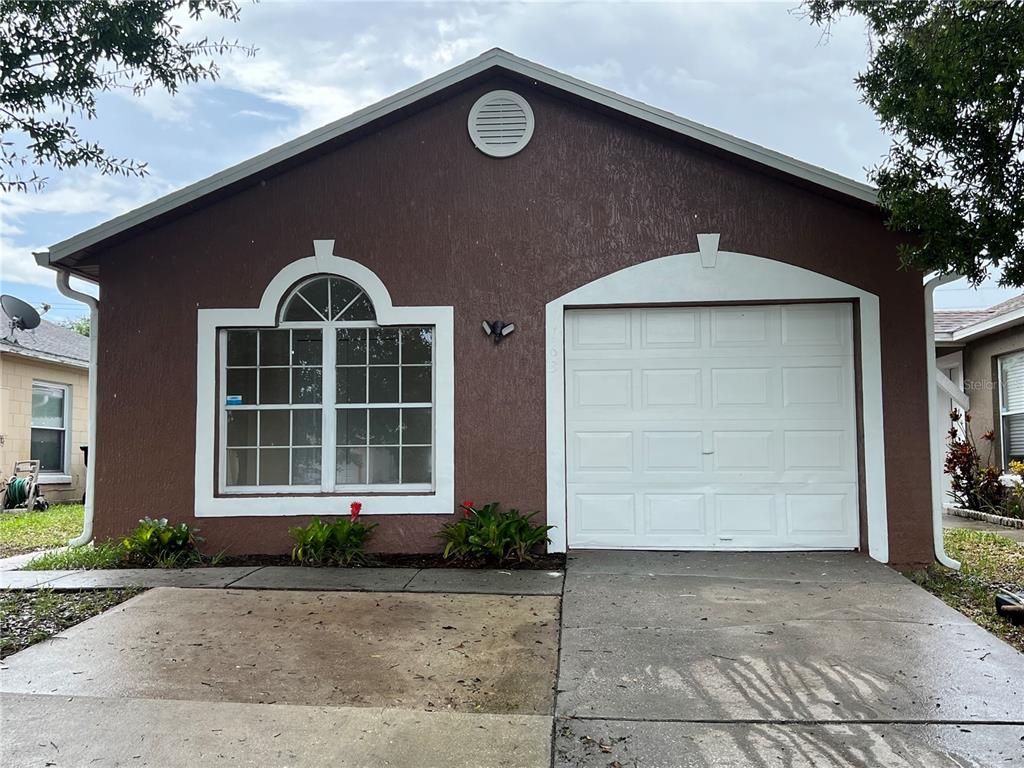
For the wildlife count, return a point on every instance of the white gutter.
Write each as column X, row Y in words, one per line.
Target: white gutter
column 930, row 284
column 64, row 286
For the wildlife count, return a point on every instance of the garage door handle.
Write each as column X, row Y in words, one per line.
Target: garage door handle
column 707, row 453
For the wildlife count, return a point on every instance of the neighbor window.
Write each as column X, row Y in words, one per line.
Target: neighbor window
column 1011, row 406
column 328, row 400
column 50, row 427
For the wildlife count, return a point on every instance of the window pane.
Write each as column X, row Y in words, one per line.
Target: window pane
column 342, row 293
column 384, row 385
column 306, row 385
column 299, row 311
column 307, row 347
column 306, row 427
column 384, row 426
column 274, row 427
column 47, row 406
column 417, row 345
column 383, row 465
column 351, row 427
column 416, row 426
column 241, row 469
column 351, row 346
column 241, row 382
column 273, row 385
column 351, row 469
column 383, row 346
column 48, row 448
column 351, row 385
column 316, row 294
column 361, row 309
column 274, row 347
column 1012, row 376
column 241, row 348
column 306, row 466
column 241, row 428
column 274, row 466
column 415, row 465
column 416, row 384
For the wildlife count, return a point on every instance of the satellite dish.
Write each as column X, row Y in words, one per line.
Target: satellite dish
column 22, row 314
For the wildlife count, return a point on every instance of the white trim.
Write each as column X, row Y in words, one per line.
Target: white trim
column 491, row 59
column 737, row 277
column 30, row 354
column 65, row 470
column 440, row 501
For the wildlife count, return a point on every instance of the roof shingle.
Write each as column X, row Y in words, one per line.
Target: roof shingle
column 49, row 340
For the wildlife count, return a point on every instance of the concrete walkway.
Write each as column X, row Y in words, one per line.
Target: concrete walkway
column 729, row 660
column 461, row 580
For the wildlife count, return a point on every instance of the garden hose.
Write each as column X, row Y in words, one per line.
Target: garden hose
column 17, row 491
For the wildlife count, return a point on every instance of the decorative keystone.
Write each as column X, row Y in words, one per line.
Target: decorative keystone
column 708, row 245
column 323, row 249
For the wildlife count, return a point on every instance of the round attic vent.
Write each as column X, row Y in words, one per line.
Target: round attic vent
column 501, row 123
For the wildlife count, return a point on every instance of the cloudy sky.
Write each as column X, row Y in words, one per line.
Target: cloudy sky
column 758, row 71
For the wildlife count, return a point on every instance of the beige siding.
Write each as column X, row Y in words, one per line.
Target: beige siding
column 16, row 376
column 981, row 381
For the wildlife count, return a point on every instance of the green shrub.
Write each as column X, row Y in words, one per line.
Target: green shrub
column 155, row 542
column 342, row 542
column 490, row 535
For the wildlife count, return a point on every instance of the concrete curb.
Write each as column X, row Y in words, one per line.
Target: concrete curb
column 987, row 517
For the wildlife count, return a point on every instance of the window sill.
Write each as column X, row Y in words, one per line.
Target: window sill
column 54, row 479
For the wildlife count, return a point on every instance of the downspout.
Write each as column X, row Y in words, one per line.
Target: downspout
column 930, row 284
column 64, row 286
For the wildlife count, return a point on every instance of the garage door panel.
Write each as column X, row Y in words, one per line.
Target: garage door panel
column 672, row 451
column 736, row 429
column 670, row 328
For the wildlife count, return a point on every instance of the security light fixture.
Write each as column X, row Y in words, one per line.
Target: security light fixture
column 498, row 329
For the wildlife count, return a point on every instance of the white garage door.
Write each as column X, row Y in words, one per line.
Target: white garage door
column 711, row 428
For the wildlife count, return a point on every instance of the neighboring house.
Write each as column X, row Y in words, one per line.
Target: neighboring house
column 44, row 400
column 714, row 346
column 980, row 361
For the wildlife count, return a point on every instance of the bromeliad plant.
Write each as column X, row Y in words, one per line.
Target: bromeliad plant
column 489, row 535
column 155, row 542
column 342, row 542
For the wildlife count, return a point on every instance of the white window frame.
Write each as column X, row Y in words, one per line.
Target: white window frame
column 64, row 475
column 328, row 410
column 211, row 499
column 1004, row 459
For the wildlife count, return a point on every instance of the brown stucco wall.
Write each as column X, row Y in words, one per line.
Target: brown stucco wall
column 440, row 223
column 981, row 379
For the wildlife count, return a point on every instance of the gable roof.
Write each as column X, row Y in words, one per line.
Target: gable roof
column 68, row 253
column 959, row 325
column 48, row 341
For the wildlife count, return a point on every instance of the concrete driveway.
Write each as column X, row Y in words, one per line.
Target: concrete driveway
column 686, row 659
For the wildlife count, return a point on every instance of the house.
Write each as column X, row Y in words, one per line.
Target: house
column 44, row 396
column 980, row 361
column 713, row 346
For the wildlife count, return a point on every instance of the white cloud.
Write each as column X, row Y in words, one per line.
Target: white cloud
column 18, row 265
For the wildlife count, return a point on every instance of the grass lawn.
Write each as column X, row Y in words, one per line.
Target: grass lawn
column 29, row 531
column 26, row 617
column 989, row 562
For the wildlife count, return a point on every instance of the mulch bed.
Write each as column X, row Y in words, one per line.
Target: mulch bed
column 546, row 562
column 27, row 617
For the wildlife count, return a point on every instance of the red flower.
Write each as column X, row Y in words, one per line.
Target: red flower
column 356, row 508
column 990, row 435
column 467, row 508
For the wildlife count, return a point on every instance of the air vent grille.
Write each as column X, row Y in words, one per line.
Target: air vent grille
column 501, row 123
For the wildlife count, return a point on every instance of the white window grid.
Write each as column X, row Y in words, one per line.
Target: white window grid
column 65, row 453
column 328, row 443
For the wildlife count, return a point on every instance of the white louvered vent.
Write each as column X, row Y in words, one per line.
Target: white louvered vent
column 501, row 123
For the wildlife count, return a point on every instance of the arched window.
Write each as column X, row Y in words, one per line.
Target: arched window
column 327, row 400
